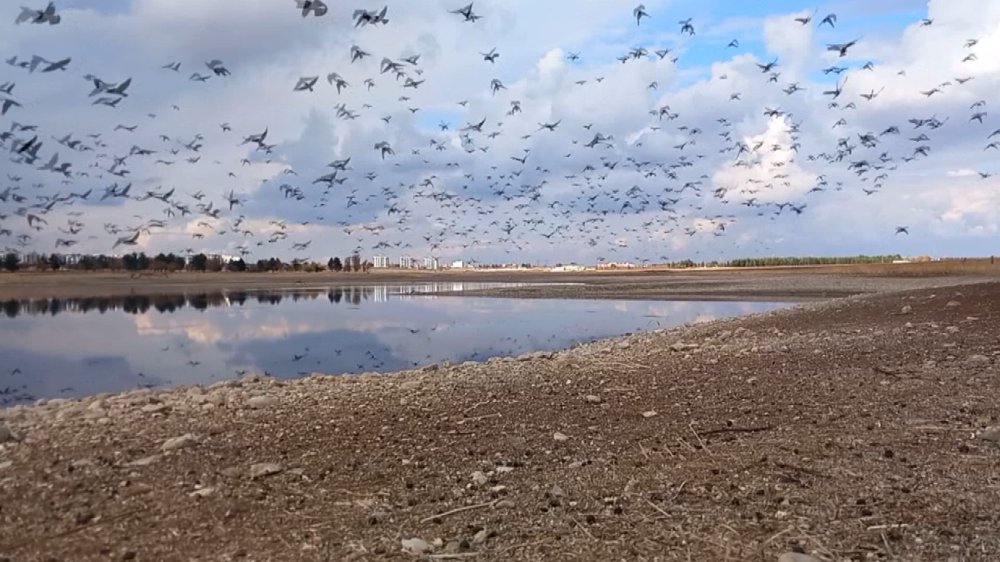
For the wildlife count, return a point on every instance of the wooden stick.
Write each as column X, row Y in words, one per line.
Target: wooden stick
column 738, row 430
column 657, row 508
column 703, row 445
column 584, row 529
column 459, row 510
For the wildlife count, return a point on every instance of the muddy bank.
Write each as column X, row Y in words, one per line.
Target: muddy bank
column 854, row 429
column 784, row 284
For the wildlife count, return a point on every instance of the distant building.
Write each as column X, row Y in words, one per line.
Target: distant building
column 407, row 262
column 381, row 262
column 430, row 263
column 570, row 267
column 459, row 264
column 617, row 265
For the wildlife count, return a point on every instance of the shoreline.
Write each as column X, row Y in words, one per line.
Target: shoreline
column 727, row 452
column 781, row 283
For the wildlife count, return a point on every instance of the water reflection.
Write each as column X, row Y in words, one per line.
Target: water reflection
column 73, row 347
column 141, row 304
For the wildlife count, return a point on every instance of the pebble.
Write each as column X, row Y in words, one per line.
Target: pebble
column 144, row 461
column 478, row 478
column 649, row 414
column 991, row 434
column 6, row 434
column 592, row 398
column 262, row 469
column 560, row 437
column 953, row 304
column 417, row 546
column 155, row 408
column 797, row 557
column 906, row 310
column 978, row 359
column 260, row 402
column 181, row 442
column 480, row 537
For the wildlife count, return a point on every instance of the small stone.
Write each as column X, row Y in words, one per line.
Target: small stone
column 174, row 443
column 592, row 398
column 649, row 414
column 260, row 402
column 202, row 492
column 906, row 310
column 417, row 546
column 978, row 359
column 797, row 557
column 560, row 437
column 556, row 491
column 478, row 478
column 991, row 434
column 953, row 304
column 480, row 537
column 144, row 461
column 262, row 469
column 155, row 408
column 6, row 435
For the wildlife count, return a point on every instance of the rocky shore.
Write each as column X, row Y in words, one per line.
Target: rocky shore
column 863, row 428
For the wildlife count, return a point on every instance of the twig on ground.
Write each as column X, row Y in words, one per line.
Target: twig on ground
column 584, row 529
column 737, row 430
column 474, row 406
column 459, row 510
column 700, row 440
column 689, row 446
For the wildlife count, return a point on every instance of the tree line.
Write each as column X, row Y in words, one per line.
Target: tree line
column 137, row 262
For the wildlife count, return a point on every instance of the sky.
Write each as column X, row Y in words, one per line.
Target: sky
column 695, row 152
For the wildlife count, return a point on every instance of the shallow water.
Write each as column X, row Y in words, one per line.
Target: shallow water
column 75, row 347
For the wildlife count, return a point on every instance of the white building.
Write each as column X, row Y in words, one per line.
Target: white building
column 407, row 262
column 431, row 263
column 458, row 264
column 381, row 262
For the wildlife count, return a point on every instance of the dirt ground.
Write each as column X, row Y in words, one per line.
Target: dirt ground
column 863, row 428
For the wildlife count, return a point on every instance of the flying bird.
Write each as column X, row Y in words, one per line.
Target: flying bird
column 466, row 12
column 640, row 12
column 317, row 7
column 46, row 15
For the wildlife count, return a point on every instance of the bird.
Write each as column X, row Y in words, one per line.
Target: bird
column 640, row 12
column 306, row 83
column 467, row 13
column 841, row 47
column 902, row 230
column 217, row 67
column 45, row 15
column 830, row 19
column 317, row 7
column 365, row 17
column 491, row 56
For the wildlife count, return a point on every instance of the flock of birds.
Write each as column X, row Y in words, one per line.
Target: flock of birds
column 613, row 194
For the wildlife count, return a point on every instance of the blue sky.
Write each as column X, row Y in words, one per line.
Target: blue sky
column 684, row 170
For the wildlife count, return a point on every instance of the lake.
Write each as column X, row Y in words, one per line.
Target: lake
column 74, row 347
